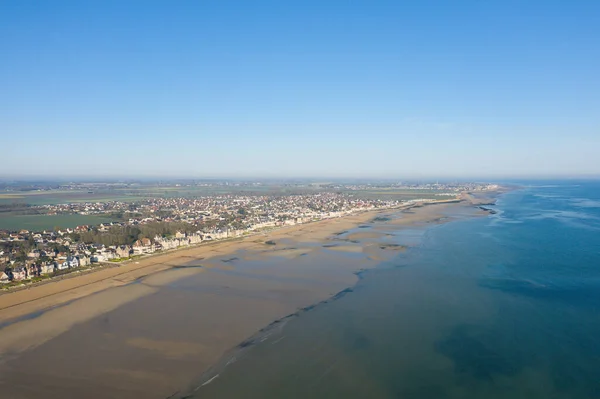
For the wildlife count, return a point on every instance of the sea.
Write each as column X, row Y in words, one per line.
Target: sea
column 499, row 306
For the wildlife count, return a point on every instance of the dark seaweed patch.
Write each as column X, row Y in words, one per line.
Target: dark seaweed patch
column 392, row 246
column 381, row 219
column 186, row 266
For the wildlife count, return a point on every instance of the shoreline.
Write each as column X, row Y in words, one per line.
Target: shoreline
column 214, row 371
column 110, row 270
column 25, row 285
column 107, row 290
column 146, row 261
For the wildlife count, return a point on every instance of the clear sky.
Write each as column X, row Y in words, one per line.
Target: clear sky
column 300, row 88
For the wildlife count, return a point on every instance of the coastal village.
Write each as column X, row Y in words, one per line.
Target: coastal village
column 160, row 224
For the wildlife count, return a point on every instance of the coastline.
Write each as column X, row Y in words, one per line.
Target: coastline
column 157, row 262
column 115, row 274
column 146, row 258
column 64, row 304
column 411, row 219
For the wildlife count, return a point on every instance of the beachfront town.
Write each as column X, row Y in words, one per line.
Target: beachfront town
column 159, row 224
column 154, row 225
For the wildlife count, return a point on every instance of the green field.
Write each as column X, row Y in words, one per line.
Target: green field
column 64, row 197
column 397, row 194
column 48, row 222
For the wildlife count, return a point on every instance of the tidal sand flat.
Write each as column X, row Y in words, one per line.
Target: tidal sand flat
column 150, row 329
column 500, row 307
column 345, row 248
column 363, row 235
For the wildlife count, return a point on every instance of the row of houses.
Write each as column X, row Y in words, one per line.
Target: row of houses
column 145, row 246
column 25, row 272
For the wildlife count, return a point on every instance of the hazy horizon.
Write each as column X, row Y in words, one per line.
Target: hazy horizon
column 291, row 178
column 425, row 90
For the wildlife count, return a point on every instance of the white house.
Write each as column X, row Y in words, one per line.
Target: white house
column 48, row 268
column 62, row 265
column 72, row 262
column 84, row 261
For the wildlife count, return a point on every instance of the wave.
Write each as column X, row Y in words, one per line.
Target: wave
column 209, row 381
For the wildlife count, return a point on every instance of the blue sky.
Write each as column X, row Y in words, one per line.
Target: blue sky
column 300, row 88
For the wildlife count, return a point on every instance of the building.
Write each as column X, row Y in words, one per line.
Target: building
column 84, row 261
column 48, row 268
column 122, row 251
column 19, row 273
column 33, row 270
column 72, row 262
column 62, row 264
column 4, row 278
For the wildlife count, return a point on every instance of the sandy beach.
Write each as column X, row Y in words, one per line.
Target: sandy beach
column 149, row 328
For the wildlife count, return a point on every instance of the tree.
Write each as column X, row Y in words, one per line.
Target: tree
column 21, row 256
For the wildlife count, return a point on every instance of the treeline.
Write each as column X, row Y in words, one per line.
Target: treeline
column 19, row 208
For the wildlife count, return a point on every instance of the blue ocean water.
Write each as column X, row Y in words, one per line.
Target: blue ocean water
column 503, row 306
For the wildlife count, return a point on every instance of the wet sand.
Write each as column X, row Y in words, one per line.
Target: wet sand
column 362, row 236
column 150, row 328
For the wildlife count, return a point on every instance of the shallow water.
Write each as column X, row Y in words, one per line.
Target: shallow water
column 504, row 306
